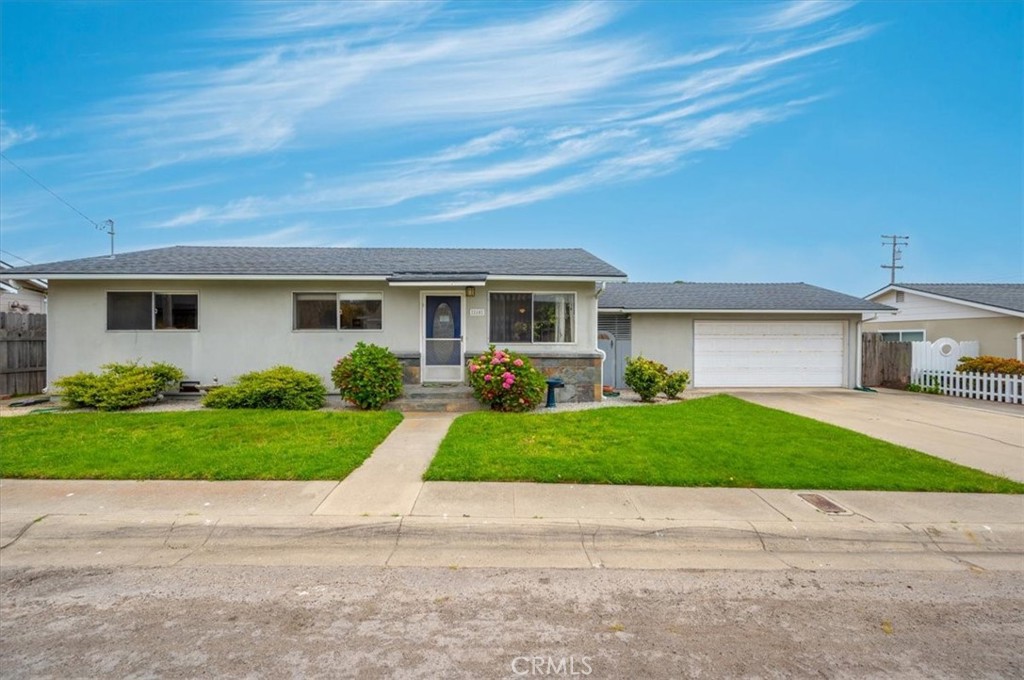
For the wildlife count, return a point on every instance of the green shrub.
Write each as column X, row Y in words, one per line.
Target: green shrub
column 675, row 382
column 78, row 390
column 281, row 387
column 990, row 364
column 119, row 386
column 369, row 377
column 645, row 377
column 506, row 381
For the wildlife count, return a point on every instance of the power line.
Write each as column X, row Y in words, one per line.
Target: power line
column 106, row 227
column 17, row 257
column 51, row 191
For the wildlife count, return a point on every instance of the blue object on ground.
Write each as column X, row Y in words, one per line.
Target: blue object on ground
column 552, row 384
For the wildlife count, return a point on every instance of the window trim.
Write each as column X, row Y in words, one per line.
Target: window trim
column 378, row 294
column 153, row 292
column 532, row 293
column 901, row 331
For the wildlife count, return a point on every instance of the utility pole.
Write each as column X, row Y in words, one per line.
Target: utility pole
column 109, row 224
column 895, row 242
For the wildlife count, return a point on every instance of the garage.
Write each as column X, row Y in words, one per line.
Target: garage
column 769, row 353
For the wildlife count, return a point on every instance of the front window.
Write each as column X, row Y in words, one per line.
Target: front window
column 147, row 311
column 334, row 311
column 532, row 317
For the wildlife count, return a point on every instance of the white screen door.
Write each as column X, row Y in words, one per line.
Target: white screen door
column 442, row 339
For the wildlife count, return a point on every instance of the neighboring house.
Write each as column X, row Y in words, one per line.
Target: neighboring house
column 991, row 313
column 22, row 296
column 218, row 312
column 737, row 334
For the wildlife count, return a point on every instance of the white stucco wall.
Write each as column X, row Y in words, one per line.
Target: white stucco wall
column 247, row 325
column 668, row 337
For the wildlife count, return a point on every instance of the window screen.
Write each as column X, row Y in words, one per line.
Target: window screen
column 129, row 311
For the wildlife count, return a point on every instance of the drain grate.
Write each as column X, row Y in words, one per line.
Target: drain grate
column 823, row 504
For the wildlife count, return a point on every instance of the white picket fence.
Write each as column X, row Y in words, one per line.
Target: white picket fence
column 985, row 386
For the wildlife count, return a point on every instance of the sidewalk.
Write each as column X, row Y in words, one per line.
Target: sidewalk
column 384, row 515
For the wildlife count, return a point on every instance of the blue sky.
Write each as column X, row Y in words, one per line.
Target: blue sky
column 704, row 141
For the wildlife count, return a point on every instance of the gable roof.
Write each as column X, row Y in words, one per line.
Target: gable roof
column 1006, row 296
column 402, row 263
column 766, row 297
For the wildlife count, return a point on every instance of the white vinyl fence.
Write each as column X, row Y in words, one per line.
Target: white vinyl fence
column 933, row 364
column 986, row 386
column 942, row 355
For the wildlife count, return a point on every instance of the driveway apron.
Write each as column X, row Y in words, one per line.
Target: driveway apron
column 390, row 480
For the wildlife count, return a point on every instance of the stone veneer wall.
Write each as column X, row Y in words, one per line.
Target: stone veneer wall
column 581, row 373
column 410, row 367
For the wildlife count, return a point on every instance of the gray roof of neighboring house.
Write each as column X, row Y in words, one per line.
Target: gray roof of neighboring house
column 1003, row 295
column 770, row 297
column 371, row 262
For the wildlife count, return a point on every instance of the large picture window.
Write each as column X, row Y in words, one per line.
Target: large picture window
column 338, row 311
column 533, row 317
column 147, row 311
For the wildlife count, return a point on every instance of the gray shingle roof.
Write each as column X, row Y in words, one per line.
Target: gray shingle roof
column 253, row 261
column 773, row 297
column 1003, row 295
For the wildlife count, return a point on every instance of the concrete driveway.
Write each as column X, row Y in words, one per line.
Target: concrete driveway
column 984, row 435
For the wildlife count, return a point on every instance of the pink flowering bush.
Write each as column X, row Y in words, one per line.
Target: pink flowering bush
column 506, row 381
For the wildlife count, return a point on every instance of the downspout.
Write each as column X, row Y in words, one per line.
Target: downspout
column 601, row 285
column 1020, row 346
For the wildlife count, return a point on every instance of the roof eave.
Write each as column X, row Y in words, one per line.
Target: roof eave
column 947, row 298
column 659, row 310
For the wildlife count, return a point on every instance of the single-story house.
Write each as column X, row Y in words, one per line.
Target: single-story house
column 21, row 296
column 736, row 334
column 991, row 313
column 218, row 312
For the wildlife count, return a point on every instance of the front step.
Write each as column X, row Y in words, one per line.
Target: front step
column 436, row 399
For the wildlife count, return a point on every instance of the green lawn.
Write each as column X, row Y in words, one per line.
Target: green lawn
column 714, row 441
column 241, row 444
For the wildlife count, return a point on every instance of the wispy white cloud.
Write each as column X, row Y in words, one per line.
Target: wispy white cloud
column 799, row 13
column 297, row 235
column 524, row 106
column 275, row 19
column 11, row 136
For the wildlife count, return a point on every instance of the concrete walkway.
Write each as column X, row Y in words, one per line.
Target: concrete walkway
column 390, row 480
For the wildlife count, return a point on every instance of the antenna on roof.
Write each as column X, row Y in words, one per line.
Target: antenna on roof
column 897, row 254
column 109, row 224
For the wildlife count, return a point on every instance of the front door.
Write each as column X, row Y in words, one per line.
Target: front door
column 442, row 339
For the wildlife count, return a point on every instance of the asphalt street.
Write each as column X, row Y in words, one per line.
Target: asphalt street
column 372, row 622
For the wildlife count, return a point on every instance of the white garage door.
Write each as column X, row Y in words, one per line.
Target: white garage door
column 768, row 353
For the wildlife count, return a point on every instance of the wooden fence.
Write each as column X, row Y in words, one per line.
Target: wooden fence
column 885, row 364
column 22, row 353
column 985, row 386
